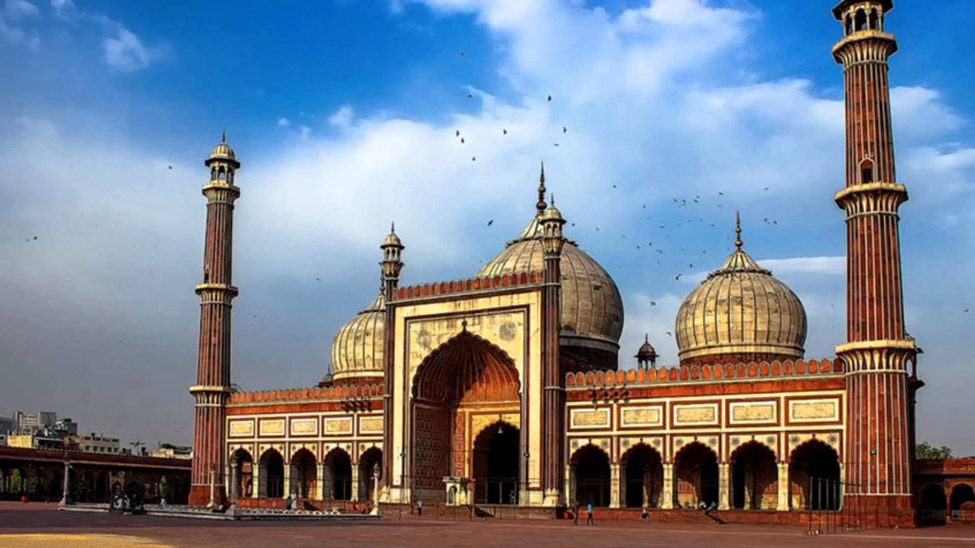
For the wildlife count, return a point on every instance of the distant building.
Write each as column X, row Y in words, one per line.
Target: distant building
column 170, row 451
column 33, row 421
column 37, row 439
column 66, row 426
column 98, row 443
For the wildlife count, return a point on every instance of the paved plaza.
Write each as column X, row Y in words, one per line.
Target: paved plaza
column 41, row 525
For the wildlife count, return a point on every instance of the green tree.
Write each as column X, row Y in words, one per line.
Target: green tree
column 925, row 450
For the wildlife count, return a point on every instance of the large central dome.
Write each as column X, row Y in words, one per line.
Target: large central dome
column 592, row 309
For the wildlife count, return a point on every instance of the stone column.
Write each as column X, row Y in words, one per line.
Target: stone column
column 320, row 479
column 668, row 495
column 614, row 485
column 66, row 484
column 724, row 494
column 783, row 503
column 570, row 485
column 355, row 482
column 257, row 490
column 286, row 492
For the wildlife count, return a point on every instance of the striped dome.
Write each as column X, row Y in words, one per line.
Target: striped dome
column 357, row 350
column 740, row 313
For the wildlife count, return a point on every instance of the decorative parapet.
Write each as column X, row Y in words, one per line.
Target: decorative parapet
column 469, row 285
column 331, row 393
column 704, row 373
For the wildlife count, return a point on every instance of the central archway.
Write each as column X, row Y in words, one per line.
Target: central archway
column 272, row 474
column 592, row 476
column 459, row 385
column 495, row 464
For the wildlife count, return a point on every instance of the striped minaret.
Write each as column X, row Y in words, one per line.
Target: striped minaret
column 878, row 352
column 213, row 362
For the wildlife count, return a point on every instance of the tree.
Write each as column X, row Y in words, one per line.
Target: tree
column 925, row 450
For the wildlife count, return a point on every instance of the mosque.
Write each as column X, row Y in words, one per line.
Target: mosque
column 508, row 388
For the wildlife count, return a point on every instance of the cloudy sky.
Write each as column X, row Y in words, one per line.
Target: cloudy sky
column 344, row 115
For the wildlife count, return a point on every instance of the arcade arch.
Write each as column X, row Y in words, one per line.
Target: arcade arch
column 272, row 474
column 304, row 475
column 814, row 476
column 696, row 467
column 754, row 477
column 642, row 477
column 338, row 475
column 592, row 475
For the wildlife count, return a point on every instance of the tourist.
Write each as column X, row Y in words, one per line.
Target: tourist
column 645, row 514
column 575, row 512
column 419, row 508
column 589, row 517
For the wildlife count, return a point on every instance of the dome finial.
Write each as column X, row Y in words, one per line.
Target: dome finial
column 392, row 227
column 540, row 206
column 738, row 241
column 646, row 337
column 223, row 136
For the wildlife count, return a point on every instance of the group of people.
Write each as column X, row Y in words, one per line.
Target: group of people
column 704, row 507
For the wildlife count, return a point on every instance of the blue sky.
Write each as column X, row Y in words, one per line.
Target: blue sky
column 344, row 115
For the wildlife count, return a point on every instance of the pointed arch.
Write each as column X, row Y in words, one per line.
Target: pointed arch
column 754, row 477
column 696, row 471
column 642, row 476
column 590, row 464
column 338, row 475
column 272, row 474
column 814, row 476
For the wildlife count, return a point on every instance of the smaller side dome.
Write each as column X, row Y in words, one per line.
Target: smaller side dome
column 357, row 350
column 740, row 313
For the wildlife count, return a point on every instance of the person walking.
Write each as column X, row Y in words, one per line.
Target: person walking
column 645, row 514
column 575, row 513
column 419, row 508
column 589, row 517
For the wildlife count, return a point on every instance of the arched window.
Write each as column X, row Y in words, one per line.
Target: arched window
column 222, row 174
column 849, row 24
column 861, row 20
column 866, row 171
column 874, row 20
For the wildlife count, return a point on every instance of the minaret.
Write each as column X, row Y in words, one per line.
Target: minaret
column 392, row 265
column 553, row 404
column 878, row 352
column 213, row 363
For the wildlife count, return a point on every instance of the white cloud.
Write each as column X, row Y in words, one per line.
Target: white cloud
column 62, row 8
column 342, row 117
column 125, row 51
column 806, row 265
column 14, row 10
column 14, row 15
column 283, row 122
column 305, row 131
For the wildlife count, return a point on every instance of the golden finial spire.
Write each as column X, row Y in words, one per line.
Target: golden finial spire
column 738, row 241
column 540, row 206
column 551, row 199
column 392, row 227
column 223, row 136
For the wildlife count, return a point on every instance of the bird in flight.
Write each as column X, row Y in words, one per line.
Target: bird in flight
column 504, row 131
column 549, row 98
column 457, row 134
column 491, row 222
column 461, row 53
column 462, row 140
column 564, row 129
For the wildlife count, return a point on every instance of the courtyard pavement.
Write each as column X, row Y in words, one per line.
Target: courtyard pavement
column 39, row 524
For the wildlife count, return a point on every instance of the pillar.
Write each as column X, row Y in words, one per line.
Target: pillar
column 320, row 475
column 355, row 482
column 258, row 489
column 783, row 487
column 286, row 492
column 570, row 485
column 668, row 494
column 66, row 484
column 614, row 485
column 724, row 493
